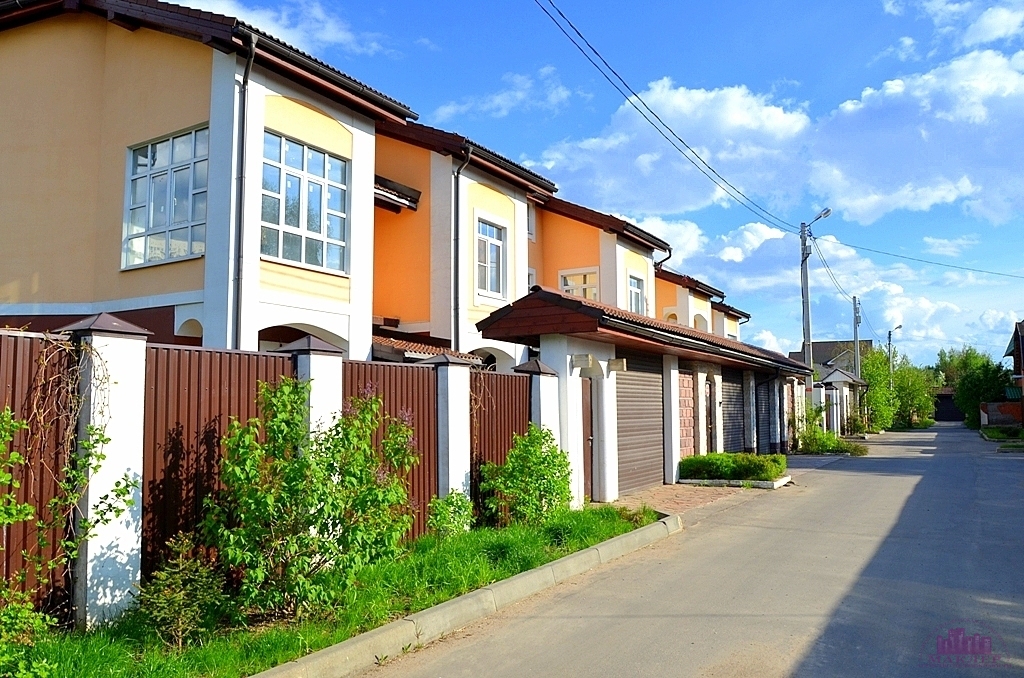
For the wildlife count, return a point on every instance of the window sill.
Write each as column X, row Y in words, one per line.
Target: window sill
column 489, row 299
column 305, row 267
column 151, row 264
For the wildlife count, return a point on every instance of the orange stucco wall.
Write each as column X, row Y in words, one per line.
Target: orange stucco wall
column 535, row 247
column 567, row 244
column 401, row 250
column 665, row 296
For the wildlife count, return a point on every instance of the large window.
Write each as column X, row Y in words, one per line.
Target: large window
column 580, row 284
column 490, row 261
column 165, row 216
column 304, row 205
column 637, row 303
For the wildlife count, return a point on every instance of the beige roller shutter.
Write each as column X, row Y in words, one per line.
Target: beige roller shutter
column 640, row 422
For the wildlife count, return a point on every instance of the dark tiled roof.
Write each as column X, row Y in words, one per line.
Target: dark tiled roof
column 688, row 282
column 605, row 222
column 731, row 310
column 403, row 346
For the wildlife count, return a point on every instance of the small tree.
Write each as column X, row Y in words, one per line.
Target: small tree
column 532, row 483
column 913, row 389
column 879, row 400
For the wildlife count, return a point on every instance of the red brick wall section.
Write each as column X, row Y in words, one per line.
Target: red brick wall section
column 1003, row 414
column 687, row 446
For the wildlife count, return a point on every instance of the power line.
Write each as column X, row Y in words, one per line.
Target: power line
column 931, row 263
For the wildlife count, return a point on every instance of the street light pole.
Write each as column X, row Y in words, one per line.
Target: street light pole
column 890, row 354
column 805, row 253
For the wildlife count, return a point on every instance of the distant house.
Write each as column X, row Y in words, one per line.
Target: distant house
column 945, row 407
column 831, row 354
column 836, row 385
column 1015, row 350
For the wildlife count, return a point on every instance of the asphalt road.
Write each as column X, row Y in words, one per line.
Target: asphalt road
column 853, row 571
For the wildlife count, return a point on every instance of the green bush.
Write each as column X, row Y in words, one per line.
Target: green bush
column 299, row 511
column 533, row 483
column 733, row 466
column 184, row 597
column 449, row 516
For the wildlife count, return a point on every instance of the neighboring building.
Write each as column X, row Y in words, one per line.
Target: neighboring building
column 831, row 354
column 945, row 406
column 686, row 301
column 1015, row 351
column 839, row 395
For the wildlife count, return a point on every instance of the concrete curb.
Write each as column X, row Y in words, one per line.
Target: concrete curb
column 756, row 484
column 373, row 647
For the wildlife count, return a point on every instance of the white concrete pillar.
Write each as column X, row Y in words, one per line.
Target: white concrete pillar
column 700, row 410
column 775, row 393
column 670, row 389
column 749, row 412
column 544, row 406
column 719, row 442
column 606, row 432
column 113, row 389
column 454, row 436
column 323, row 365
column 787, row 413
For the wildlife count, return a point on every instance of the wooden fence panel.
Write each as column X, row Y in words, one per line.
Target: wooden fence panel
column 499, row 408
column 411, row 389
column 38, row 382
column 191, row 395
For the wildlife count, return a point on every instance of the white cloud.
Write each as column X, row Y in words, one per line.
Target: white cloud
column 949, row 247
column 998, row 321
column 766, row 339
column 944, row 11
column 995, row 23
column 429, row 44
column 522, row 92
column 739, row 244
column 904, row 50
column 686, row 237
column 305, row 24
column 893, row 7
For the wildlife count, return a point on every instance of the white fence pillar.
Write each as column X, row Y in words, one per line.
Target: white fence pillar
column 323, row 365
column 113, row 388
column 454, row 436
column 543, row 394
column 775, row 410
column 670, row 389
column 749, row 412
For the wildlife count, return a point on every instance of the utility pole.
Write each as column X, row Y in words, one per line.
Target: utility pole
column 890, row 353
column 805, row 253
column 856, row 351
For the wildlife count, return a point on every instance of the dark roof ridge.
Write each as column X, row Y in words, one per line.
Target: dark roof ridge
column 605, row 221
column 684, row 280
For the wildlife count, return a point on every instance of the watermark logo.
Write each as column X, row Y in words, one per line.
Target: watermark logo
column 970, row 644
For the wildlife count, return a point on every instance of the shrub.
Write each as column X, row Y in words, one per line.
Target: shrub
column 300, row 512
column 534, row 481
column 184, row 597
column 451, row 515
column 733, row 466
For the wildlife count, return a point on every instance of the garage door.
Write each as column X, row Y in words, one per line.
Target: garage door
column 640, row 420
column 732, row 410
column 764, row 414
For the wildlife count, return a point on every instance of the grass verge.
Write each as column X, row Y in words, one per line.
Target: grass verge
column 733, row 466
column 1003, row 432
column 430, row 572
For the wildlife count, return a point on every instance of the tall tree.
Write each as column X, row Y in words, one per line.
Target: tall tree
column 982, row 382
column 879, row 400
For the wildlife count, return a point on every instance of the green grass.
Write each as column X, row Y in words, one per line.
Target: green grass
column 1011, row 447
column 733, row 466
column 813, row 440
column 432, row 571
column 1003, row 432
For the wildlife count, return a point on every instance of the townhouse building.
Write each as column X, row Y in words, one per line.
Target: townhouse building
column 220, row 188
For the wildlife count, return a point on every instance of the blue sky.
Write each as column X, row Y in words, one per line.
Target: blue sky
column 906, row 117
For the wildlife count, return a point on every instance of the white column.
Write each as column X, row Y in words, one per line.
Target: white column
column 113, row 388
column 719, row 443
column 749, row 412
column 670, row 389
column 544, row 401
column 453, row 428
column 326, row 388
column 774, row 411
column 700, row 410
column 606, row 428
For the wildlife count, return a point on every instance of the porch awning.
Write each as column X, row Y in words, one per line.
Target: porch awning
column 546, row 311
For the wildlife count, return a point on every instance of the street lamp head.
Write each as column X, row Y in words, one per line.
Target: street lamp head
column 898, row 327
column 825, row 213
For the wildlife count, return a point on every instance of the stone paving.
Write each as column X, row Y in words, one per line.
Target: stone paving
column 672, row 499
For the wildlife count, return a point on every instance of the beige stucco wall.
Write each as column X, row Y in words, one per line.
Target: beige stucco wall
column 490, row 204
column 75, row 93
column 275, row 277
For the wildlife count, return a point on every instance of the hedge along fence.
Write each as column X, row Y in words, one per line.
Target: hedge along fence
column 39, row 380
column 499, row 409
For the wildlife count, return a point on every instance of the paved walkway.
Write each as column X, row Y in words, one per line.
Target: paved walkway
column 673, row 499
column 854, row 570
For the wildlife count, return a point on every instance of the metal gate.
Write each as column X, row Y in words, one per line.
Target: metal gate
column 732, row 410
column 639, row 408
column 764, row 417
column 687, row 444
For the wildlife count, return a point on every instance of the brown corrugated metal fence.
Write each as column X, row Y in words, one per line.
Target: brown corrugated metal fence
column 38, row 382
column 191, row 395
column 499, row 407
column 411, row 389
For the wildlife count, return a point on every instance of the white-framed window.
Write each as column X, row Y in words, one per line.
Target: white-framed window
column 165, row 199
column 490, row 259
column 531, row 277
column 637, row 303
column 304, row 210
column 531, row 222
column 579, row 283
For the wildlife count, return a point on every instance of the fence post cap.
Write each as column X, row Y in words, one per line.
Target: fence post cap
column 104, row 323
column 310, row 344
column 444, row 359
column 534, row 366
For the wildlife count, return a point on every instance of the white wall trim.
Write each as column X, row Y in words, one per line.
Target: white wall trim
column 109, row 306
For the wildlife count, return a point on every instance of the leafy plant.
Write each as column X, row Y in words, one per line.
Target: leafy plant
column 301, row 512
column 733, row 466
column 982, row 381
column 812, row 439
column 533, row 482
column 185, row 596
column 450, row 515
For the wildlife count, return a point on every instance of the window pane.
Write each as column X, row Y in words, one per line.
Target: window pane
column 291, row 247
column 314, row 252
column 271, row 147
column 336, row 170
column 156, row 247
column 314, row 206
column 137, row 220
column 139, row 187
column 202, row 143
column 481, row 276
column 315, row 162
column 291, row 200
column 181, row 193
column 199, row 239
column 271, row 212
column 140, row 160
column 481, row 250
column 199, row 174
column 335, row 257
column 159, row 218
column 199, row 206
column 179, row 242
column 335, row 199
column 481, row 228
column 495, row 269
column 181, row 148
column 292, row 154
column 161, row 154
column 135, row 251
column 590, row 293
column 271, row 179
column 268, row 241
column 335, row 226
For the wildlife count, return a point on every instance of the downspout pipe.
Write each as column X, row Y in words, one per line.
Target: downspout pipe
column 243, row 111
column 659, row 264
column 456, row 297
